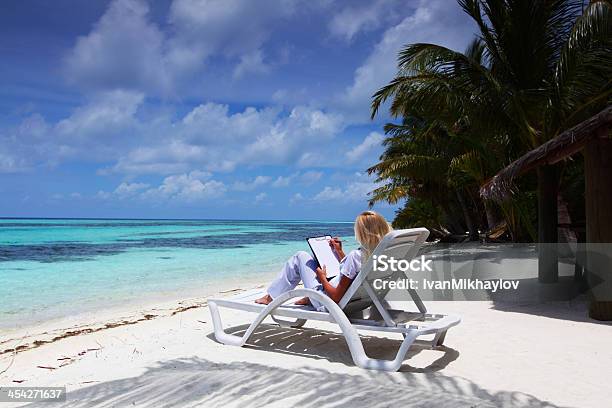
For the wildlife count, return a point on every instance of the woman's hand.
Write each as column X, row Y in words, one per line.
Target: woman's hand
column 321, row 273
column 336, row 246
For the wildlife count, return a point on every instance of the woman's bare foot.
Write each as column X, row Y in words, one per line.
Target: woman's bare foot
column 303, row 302
column 265, row 300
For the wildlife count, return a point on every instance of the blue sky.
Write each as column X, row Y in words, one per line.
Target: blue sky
column 200, row 108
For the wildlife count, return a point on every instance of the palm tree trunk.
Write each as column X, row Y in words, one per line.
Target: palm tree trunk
column 548, row 187
column 477, row 212
column 473, row 234
column 491, row 219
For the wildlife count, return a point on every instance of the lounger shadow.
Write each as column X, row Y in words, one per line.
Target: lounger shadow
column 321, row 344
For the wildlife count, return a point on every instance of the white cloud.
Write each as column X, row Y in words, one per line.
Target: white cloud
column 123, row 50
column 251, row 62
column 307, row 159
column 33, row 127
column 314, row 121
column 282, row 181
column 296, row 198
column 126, row 53
column 311, row 177
column 10, row 164
column 356, row 191
column 252, row 185
column 260, row 197
column 27, row 145
column 187, row 188
column 370, row 145
column 106, row 114
column 103, row 195
column 330, row 194
column 352, row 20
column 123, row 191
column 98, row 130
column 182, row 188
column 433, row 21
column 211, row 137
column 307, row 178
column 212, row 122
column 234, row 27
column 296, row 96
column 126, row 49
column 128, row 189
column 303, row 127
column 130, row 167
column 114, row 128
column 173, row 156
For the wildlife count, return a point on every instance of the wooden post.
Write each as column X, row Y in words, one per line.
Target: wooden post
column 548, row 187
column 598, row 195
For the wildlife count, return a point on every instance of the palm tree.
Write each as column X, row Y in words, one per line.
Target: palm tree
column 539, row 67
column 416, row 161
column 441, row 147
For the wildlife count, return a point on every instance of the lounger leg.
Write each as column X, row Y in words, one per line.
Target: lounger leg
column 286, row 323
column 240, row 341
column 220, row 334
column 439, row 340
column 361, row 359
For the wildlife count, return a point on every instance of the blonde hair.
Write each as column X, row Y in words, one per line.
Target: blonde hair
column 370, row 228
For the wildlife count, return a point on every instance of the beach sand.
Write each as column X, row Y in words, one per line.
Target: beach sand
column 500, row 355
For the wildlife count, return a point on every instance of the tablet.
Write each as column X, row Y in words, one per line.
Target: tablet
column 324, row 255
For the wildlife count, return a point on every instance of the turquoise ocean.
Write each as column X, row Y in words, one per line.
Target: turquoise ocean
column 53, row 268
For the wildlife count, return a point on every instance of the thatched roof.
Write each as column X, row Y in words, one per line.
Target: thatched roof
column 566, row 144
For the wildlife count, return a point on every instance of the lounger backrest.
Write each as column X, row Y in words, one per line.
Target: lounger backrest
column 399, row 244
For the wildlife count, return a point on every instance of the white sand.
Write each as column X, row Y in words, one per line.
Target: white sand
column 500, row 355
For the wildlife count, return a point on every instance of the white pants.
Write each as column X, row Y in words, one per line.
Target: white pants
column 300, row 267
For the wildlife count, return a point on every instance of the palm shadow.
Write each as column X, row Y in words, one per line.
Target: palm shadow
column 199, row 382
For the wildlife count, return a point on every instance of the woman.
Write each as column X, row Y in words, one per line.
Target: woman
column 370, row 228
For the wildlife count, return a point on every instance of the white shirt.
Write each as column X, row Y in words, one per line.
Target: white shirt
column 349, row 267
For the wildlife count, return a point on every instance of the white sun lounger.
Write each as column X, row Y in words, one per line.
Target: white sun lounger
column 361, row 308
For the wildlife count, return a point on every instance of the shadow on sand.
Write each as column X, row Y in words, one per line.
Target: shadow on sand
column 198, row 382
column 322, row 344
column 575, row 310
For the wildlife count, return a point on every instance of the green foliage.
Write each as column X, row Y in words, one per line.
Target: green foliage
column 536, row 68
column 417, row 212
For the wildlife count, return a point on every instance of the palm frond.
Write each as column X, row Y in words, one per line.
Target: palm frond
column 391, row 193
column 582, row 76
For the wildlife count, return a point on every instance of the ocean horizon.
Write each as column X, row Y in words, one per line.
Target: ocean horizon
column 58, row 267
column 176, row 219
